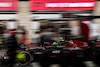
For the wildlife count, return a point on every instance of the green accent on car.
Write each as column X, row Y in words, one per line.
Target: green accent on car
column 55, row 43
column 20, row 56
column 0, row 39
column 61, row 38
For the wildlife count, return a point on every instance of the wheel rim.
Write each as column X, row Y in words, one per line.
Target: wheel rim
column 26, row 59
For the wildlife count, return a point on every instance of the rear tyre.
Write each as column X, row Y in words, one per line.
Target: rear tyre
column 27, row 60
column 0, row 63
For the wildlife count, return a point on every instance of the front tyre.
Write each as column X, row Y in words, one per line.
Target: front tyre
column 27, row 60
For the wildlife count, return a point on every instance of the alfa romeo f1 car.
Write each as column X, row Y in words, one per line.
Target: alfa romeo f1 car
column 65, row 54
column 72, row 52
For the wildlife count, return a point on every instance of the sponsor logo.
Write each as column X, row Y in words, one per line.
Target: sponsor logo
column 70, row 4
column 56, row 51
column 5, row 4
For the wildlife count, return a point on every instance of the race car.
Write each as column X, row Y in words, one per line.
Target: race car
column 73, row 52
column 64, row 54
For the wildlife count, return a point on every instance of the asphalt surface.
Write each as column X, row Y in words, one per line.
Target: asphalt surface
column 35, row 64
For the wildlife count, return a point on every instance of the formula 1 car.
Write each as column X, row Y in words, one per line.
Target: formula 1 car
column 72, row 52
column 65, row 54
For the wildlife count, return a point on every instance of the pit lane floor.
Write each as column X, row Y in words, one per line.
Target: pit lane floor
column 35, row 64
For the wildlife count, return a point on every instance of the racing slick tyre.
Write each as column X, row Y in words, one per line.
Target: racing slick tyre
column 44, row 61
column 0, row 63
column 97, row 55
column 27, row 60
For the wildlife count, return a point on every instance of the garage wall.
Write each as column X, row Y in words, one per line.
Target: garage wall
column 25, row 19
column 97, row 13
